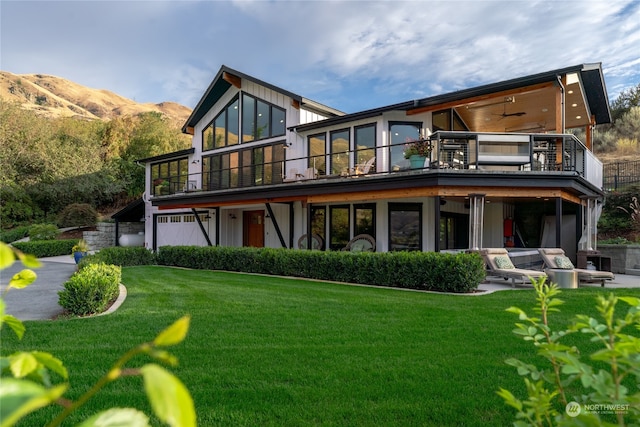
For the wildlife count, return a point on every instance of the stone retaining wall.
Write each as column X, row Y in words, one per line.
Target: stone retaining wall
column 105, row 234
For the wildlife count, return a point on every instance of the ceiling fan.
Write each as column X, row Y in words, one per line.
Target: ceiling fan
column 509, row 100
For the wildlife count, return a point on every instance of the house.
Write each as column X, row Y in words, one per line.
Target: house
column 268, row 167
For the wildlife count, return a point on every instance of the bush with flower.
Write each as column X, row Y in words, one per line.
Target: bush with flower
column 417, row 147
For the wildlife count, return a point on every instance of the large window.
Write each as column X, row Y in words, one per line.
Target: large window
column 364, row 143
column 243, row 168
column 338, row 227
column 223, row 130
column 364, row 219
column 317, row 153
column 447, row 120
column 405, row 226
column 169, row 177
column 319, row 222
column 454, row 231
column 401, row 133
column 260, row 119
column 339, row 152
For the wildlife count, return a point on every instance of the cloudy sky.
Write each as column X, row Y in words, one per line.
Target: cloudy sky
column 350, row 55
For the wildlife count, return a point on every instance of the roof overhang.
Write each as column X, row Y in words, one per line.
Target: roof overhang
column 168, row 156
column 228, row 77
column 525, row 104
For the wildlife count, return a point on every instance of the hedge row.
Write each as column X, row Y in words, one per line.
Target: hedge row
column 46, row 248
column 90, row 289
column 122, row 256
column 414, row 270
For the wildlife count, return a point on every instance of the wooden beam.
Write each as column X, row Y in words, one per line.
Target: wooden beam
column 191, row 130
column 479, row 98
column 295, row 104
column 233, row 79
column 405, row 193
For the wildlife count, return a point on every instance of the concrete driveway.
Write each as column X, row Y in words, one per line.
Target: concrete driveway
column 39, row 301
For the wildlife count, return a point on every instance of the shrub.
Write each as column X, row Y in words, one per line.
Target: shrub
column 46, row 248
column 414, row 270
column 90, row 289
column 14, row 234
column 122, row 256
column 569, row 390
column 17, row 207
column 78, row 215
column 43, row 232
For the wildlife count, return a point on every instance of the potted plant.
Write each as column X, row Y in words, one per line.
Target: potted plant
column 417, row 151
column 79, row 250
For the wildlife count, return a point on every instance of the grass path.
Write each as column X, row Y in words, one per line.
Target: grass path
column 268, row 351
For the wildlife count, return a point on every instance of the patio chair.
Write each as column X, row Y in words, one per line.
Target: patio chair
column 499, row 264
column 361, row 243
column 317, row 242
column 363, row 169
column 556, row 258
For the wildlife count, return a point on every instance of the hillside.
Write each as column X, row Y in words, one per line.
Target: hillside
column 53, row 97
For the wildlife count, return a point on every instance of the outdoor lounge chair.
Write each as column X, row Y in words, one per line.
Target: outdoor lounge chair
column 556, row 258
column 499, row 264
column 361, row 243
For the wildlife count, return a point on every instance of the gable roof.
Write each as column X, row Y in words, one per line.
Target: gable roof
column 225, row 78
column 591, row 77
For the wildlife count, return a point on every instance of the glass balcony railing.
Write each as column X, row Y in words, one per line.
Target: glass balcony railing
column 465, row 152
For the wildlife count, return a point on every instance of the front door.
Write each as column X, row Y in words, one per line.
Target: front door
column 253, row 227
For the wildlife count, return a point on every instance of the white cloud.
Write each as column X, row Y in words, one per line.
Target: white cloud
column 349, row 54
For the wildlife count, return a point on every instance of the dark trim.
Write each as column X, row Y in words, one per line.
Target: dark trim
column 218, row 87
column 168, row 156
column 133, row 211
column 275, row 224
column 436, row 224
column 204, row 232
column 217, row 211
column 291, row 221
column 564, row 180
column 558, row 222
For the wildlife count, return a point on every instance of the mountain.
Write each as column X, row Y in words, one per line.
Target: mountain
column 53, row 97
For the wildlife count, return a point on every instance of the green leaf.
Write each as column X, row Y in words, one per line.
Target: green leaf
column 22, row 364
column 15, row 324
column 22, row 279
column 21, row 397
column 117, row 417
column 29, row 261
column 7, row 258
column 632, row 301
column 174, row 334
column 169, row 398
column 164, row 357
column 52, row 363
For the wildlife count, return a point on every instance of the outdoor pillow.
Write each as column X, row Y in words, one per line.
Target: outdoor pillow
column 504, row 263
column 564, row 263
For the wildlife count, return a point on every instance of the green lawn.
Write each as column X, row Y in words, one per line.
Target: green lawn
column 268, row 351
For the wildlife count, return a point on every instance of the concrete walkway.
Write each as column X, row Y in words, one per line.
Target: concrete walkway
column 38, row 301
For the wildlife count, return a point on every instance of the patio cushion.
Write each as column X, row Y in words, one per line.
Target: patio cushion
column 504, row 262
column 563, row 263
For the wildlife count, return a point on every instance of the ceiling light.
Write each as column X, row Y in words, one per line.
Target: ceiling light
column 574, row 105
column 578, row 117
column 570, row 92
column 544, row 110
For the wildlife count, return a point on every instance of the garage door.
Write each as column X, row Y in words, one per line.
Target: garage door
column 180, row 230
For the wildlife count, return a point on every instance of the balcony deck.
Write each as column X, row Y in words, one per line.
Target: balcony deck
column 470, row 154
